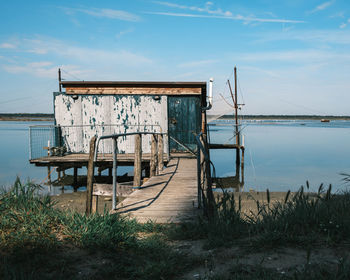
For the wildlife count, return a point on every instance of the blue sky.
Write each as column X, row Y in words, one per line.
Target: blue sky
column 293, row 56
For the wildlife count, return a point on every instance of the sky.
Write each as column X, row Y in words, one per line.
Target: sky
column 292, row 56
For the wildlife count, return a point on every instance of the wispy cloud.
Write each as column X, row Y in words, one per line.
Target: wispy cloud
column 7, row 46
column 198, row 63
column 313, row 36
column 42, row 69
column 208, row 12
column 47, row 49
column 344, row 24
column 206, row 8
column 237, row 17
column 124, row 32
column 83, row 54
column 338, row 15
column 296, row 56
column 105, row 13
column 322, row 6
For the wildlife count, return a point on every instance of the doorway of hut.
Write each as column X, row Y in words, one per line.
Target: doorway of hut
column 184, row 122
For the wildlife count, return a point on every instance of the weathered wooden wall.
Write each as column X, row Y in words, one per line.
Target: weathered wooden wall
column 83, row 116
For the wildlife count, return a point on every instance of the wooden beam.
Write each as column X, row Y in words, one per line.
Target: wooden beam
column 94, row 204
column 137, row 160
column 223, row 146
column 160, row 153
column 49, row 174
column 90, row 176
column 242, row 165
column 133, row 90
column 75, row 178
column 153, row 161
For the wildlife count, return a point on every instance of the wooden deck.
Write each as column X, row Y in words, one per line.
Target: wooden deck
column 102, row 159
column 169, row 197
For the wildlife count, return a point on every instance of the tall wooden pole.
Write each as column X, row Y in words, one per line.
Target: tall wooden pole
column 236, row 120
column 153, row 162
column 90, row 176
column 137, row 160
column 59, row 80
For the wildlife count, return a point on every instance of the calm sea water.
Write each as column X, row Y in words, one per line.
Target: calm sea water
column 280, row 155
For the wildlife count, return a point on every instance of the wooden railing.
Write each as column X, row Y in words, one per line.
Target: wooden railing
column 156, row 161
column 205, row 192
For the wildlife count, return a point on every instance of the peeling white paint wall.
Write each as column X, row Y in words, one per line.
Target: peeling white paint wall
column 88, row 115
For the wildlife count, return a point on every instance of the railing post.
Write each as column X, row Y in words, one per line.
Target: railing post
column 202, row 169
column 153, row 162
column 160, row 152
column 199, row 179
column 90, row 176
column 205, row 163
column 137, row 160
column 114, row 171
column 242, row 165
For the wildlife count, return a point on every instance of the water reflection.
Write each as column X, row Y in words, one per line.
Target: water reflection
column 279, row 155
column 282, row 155
column 231, row 183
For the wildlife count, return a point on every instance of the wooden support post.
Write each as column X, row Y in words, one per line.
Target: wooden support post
column 199, row 177
column 210, row 205
column 75, row 176
column 160, row 152
column 137, row 160
column 153, row 162
column 90, row 176
column 94, row 204
column 49, row 174
column 109, row 173
column 242, row 165
column 59, row 175
column 147, row 170
column 238, row 160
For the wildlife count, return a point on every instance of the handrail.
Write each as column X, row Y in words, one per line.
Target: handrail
column 200, row 145
column 115, row 151
column 75, row 137
column 116, row 136
column 203, row 172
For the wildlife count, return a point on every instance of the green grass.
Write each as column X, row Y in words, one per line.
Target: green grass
column 301, row 219
column 40, row 242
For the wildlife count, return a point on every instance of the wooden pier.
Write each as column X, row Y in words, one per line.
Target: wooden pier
column 168, row 197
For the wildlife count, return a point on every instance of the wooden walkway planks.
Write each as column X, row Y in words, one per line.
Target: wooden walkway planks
column 169, row 197
column 82, row 159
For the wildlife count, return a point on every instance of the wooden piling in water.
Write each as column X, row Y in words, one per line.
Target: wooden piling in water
column 49, row 174
column 75, row 176
column 160, row 152
column 94, row 202
column 137, row 160
column 90, row 176
column 153, row 161
column 110, row 173
column 242, row 165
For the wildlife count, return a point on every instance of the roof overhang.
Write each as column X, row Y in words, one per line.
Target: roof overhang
column 136, row 88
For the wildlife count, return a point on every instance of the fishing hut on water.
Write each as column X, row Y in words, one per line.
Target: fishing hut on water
column 105, row 124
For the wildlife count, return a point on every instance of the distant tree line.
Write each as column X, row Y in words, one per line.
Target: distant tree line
column 26, row 115
column 284, row 117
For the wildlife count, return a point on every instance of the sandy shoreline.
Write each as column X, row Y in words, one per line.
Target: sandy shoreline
column 76, row 201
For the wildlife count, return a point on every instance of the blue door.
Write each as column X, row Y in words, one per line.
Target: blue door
column 184, row 117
